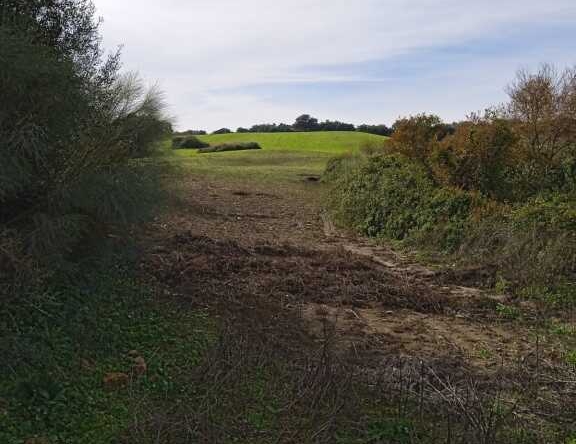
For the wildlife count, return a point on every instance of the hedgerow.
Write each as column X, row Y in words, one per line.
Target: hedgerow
column 497, row 189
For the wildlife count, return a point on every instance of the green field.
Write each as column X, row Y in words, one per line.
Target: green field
column 334, row 142
column 284, row 156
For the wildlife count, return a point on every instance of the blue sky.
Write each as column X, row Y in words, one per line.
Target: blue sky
column 236, row 63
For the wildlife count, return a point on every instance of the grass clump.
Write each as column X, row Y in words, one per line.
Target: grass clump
column 242, row 146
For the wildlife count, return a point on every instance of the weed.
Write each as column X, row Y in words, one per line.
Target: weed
column 508, row 311
column 502, row 285
column 484, row 353
column 563, row 330
column 571, row 358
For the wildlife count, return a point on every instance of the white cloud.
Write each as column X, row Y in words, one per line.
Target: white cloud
column 195, row 48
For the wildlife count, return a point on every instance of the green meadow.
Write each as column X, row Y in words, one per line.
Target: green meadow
column 283, row 157
column 330, row 142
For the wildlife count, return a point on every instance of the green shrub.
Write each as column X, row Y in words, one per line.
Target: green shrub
column 532, row 243
column 393, row 197
column 231, row 147
column 188, row 142
column 71, row 129
column 390, row 196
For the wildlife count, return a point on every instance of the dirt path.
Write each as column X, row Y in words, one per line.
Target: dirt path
column 260, row 243
column 266, row 263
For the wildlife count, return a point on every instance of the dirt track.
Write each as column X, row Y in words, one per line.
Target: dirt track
column 247, row 245
column 266, row 263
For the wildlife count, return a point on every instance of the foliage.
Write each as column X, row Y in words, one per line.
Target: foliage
column 329, row 125
column 188, row 142
column 390, row 196
column 70, row 129
column 63, row 339
column 477, row 156
column 270, row 128
column 193, row 133
column 306, row 122
column 381, row 130
column 242, row 146
column 496, row 189
column 542, row 108
column 222, row 131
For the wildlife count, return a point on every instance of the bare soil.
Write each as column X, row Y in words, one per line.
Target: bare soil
column 268, row 259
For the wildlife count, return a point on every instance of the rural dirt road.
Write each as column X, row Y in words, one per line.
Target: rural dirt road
column 271, row 246
column 267, row 264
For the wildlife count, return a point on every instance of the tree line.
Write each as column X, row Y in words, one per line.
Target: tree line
column 303, row 123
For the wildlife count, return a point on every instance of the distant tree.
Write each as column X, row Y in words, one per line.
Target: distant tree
column 194, row 132
column 305, row 122
column 222, row 131
column 381, row 130
column 284, row 128
column 242, row 130
column 330, row 125
column 270, row 128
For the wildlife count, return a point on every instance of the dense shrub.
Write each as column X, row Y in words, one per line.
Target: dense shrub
column 496, row 189
column 231, row 147
column 188, row 142
column 531, row 243
column 193, row 133
column 222, row 131
column 381, row 130
column 391, row 196
column 271, row 128
column 71, row 128
column 477, row 156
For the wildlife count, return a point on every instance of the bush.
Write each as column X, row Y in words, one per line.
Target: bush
column 71, row 129
column 531, row 243
column 231, row 147
column 189, row 142
column 391, row 196
column 193, row 133
column 222, row 131
column 381, row 130
column 498, row 189
column 477, row 156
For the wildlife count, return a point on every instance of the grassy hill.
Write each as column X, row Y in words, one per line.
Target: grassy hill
column 284, row 156
column 333, row 142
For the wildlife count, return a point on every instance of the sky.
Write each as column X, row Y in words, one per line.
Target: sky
column 231, row 63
